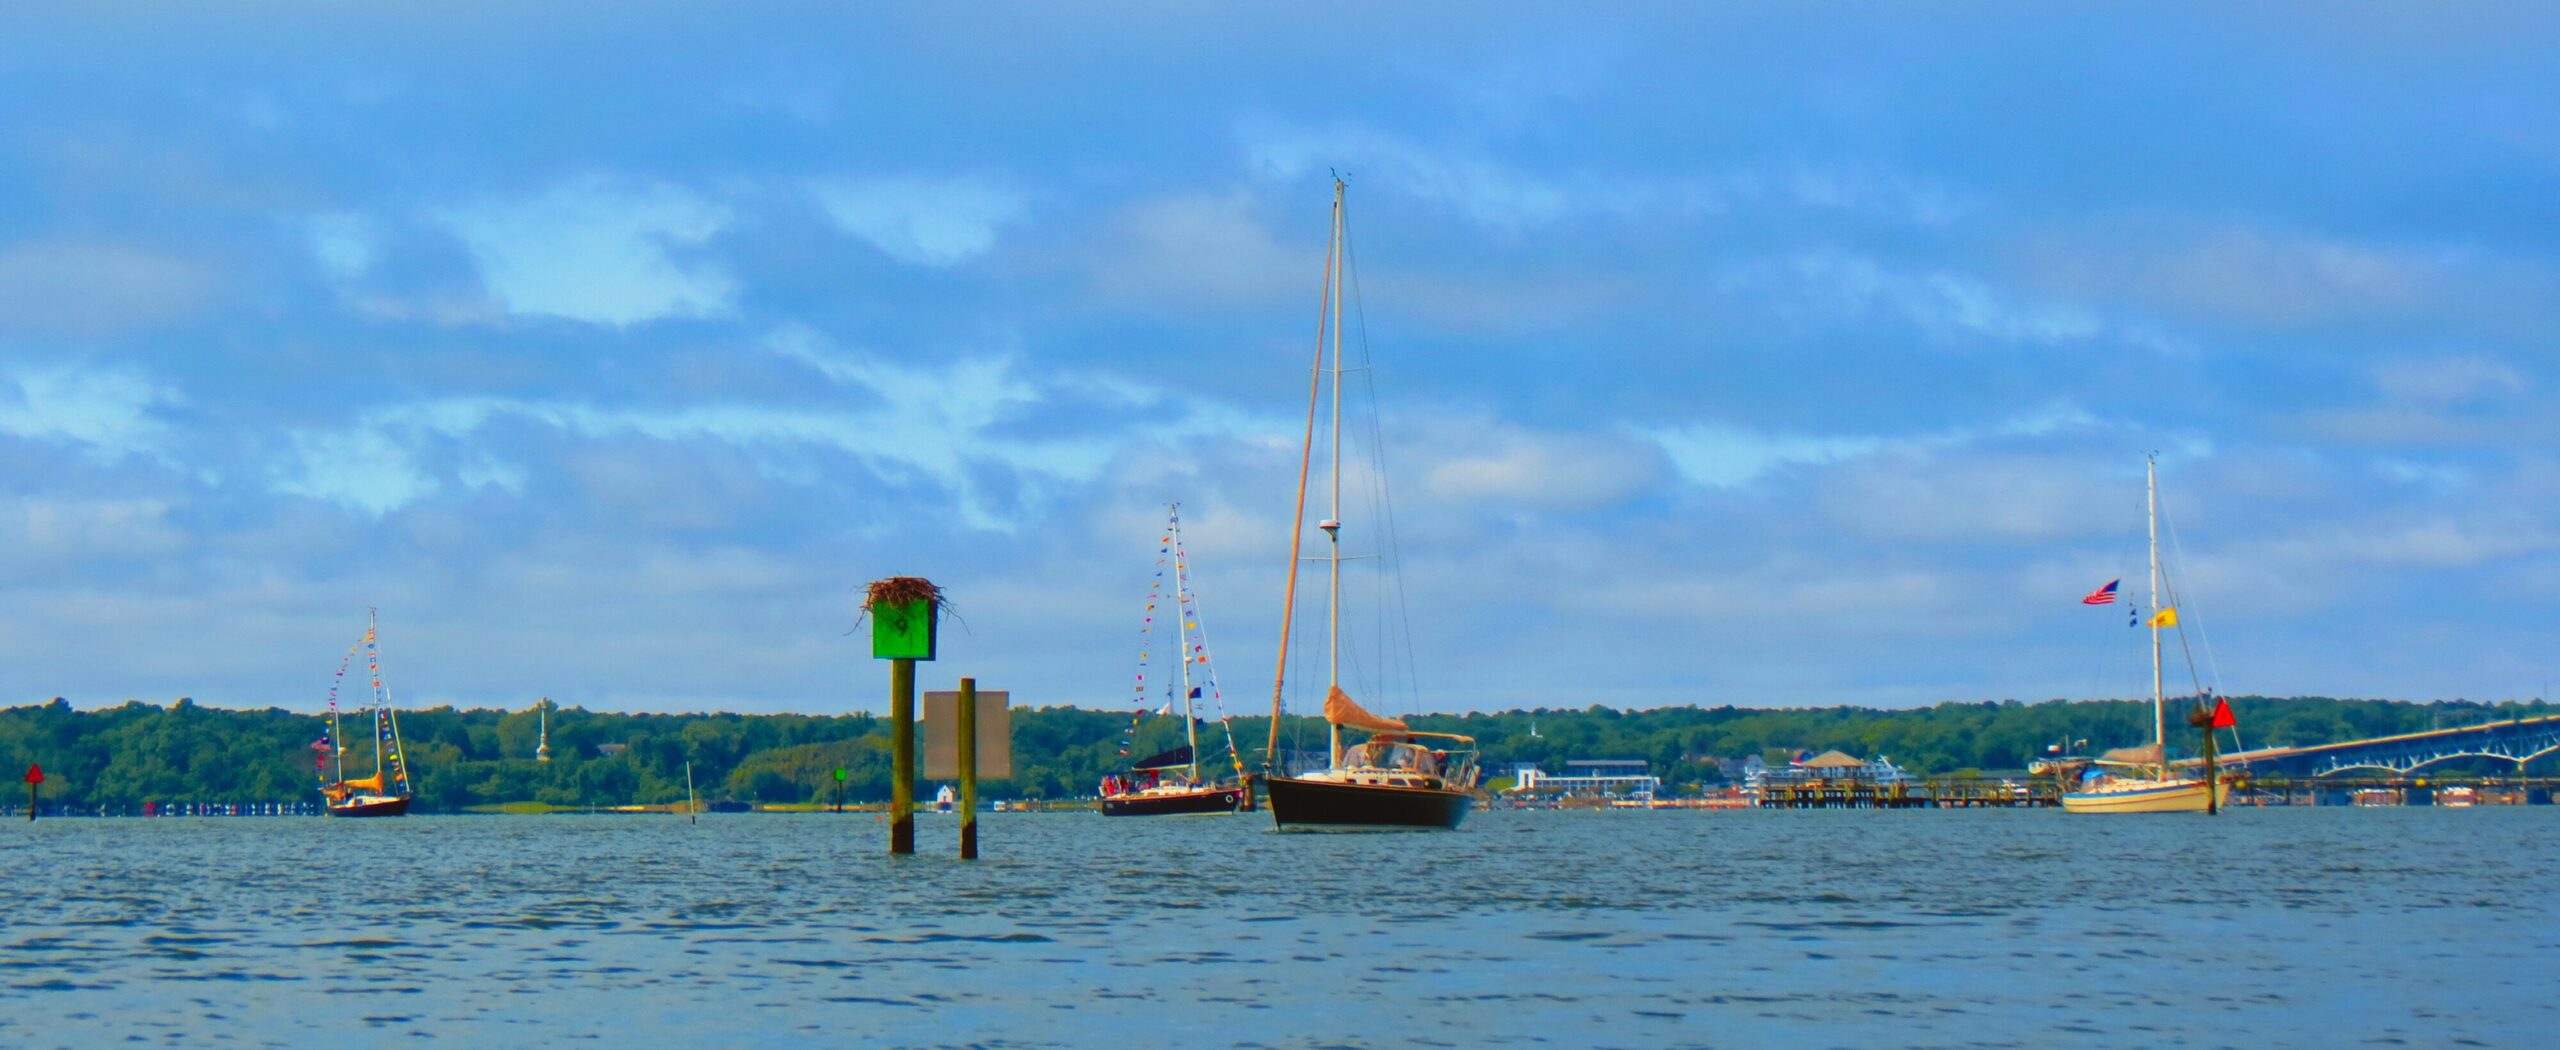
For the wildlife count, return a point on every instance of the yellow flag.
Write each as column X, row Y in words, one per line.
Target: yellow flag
column 2165, row 618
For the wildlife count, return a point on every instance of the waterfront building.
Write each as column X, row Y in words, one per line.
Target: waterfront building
column 1834, row 766
column 1605, row 777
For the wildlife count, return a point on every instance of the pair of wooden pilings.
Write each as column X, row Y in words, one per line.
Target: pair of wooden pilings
column 902, row 771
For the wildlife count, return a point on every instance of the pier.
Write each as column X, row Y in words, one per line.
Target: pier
column 1949, row 792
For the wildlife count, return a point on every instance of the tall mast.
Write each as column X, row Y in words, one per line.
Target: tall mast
column 1298, row 520
column 2159, row 708
column 1332, row 524
column 1182, row 639
column 386, row 720
column 373, row 670
column 542, row 715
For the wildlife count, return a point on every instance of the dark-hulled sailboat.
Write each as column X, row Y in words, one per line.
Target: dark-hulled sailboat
column 1172, row 783
column 386, row 793
column 1399, row 777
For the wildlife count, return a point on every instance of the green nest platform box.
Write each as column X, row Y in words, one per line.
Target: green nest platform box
column 904, row 614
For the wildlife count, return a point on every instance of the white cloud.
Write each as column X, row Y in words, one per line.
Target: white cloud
column 1517, row 468
column 107, row 411
column 1720, row 456
column 932, row 424
column 1952, row 307
column 367, row 470
column 598, row 250
column 343, row 244
column 920, row 221
column 1204, row 249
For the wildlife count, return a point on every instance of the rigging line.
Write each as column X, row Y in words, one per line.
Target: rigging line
column 1194, row 622
column 2179, row 551
column 1325, row 315
column 1386, row 500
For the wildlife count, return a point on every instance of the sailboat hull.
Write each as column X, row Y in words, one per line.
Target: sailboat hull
column 1299, row 803
column 1171, row 803
column 2170, row 796
column 378, row 807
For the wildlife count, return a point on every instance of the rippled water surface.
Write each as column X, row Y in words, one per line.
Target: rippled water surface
column 2266, row 928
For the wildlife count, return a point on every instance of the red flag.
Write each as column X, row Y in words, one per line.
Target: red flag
column 2222, row 717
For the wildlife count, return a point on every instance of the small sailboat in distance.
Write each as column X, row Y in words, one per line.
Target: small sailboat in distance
column 386, row 792
column 1399, row 777
column 1172, row 783
column 2140, row 779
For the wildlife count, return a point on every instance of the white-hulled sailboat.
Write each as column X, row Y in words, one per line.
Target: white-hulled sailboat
column 2140, row 779
column 1399, row 777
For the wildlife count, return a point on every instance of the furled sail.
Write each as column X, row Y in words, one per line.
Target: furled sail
column 1340, row 710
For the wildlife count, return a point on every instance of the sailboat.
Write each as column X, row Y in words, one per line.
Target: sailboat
column 2140, row 779
column 1399, row 777
column 385, row 793
column 1172, row 782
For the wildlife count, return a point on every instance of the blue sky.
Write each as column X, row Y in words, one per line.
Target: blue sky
column 1725, row 354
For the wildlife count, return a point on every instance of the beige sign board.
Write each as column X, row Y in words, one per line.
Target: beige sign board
column 942, row 737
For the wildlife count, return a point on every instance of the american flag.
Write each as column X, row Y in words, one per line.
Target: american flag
column 2104, row 595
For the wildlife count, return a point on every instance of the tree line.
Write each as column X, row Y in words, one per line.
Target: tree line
column 122, row 757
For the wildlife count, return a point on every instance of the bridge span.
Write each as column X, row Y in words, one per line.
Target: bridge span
column 2517, row 740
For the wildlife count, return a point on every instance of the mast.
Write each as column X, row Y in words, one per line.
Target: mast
column 337, row 741
column 387, row 727
column 1298, row 520
column 373, row 670
column 1182, row 639
column 2159, row 708
column 1332, row 524
column 542, row 715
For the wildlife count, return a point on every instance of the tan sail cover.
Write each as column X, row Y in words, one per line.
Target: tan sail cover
column 2147, row 753
column 1339, row 710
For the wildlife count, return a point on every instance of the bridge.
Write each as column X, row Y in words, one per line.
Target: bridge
column 2517, row 740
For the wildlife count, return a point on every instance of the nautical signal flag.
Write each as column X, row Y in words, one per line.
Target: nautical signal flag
column 2222, row 716
column 2164, row 618
column 2104, row 595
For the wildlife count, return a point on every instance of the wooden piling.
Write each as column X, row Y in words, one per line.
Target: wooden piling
column 902, row 744
column 968, row 741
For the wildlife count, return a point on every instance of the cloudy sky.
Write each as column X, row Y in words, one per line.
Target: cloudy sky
column 1733, row 353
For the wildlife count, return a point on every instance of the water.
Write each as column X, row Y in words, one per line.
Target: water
column 1815, row 929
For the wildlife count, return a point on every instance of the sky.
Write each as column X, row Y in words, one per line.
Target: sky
column 1735, row 353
